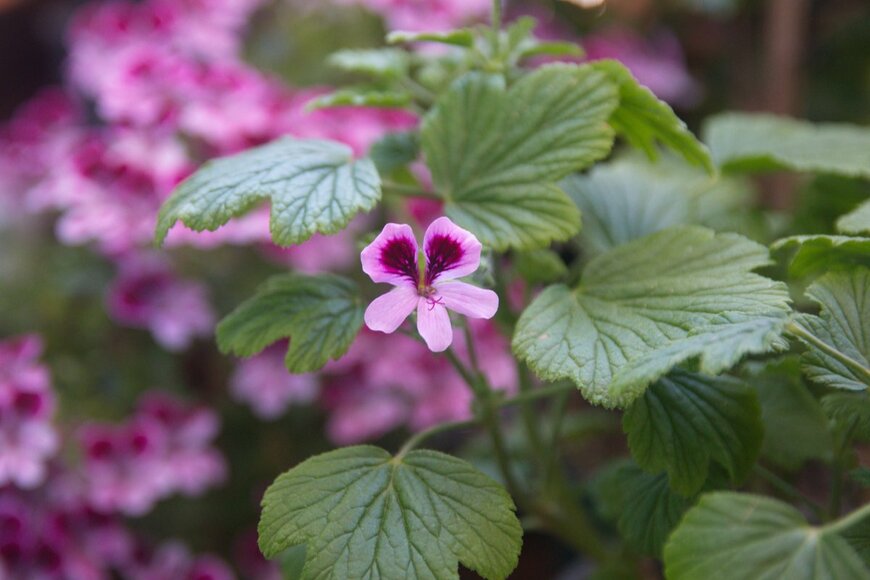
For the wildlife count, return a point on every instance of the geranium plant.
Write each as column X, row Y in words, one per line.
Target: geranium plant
column 659, row 307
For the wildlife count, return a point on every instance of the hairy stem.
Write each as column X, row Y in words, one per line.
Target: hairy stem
column 848, row 520
column 421, row 436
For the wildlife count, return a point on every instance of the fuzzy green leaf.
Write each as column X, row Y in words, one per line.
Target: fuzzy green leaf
column 814, row 255
column 843, row 325
column 645, row 121
column 856, row 221
column 365, row 514
column 387, row 63
column 760, row 142
column 395, row 151
column 685, row 420
column 497, row 153
column 540, row 266
column 462, row 37
column 320, row 314
column 850, row 412
column 732, row 535
column 362, row 97
column 649, row 305
column 314, row 186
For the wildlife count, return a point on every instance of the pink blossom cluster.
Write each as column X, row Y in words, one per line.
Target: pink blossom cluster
column 28, row 439
column 164, row 448
column 427, row 15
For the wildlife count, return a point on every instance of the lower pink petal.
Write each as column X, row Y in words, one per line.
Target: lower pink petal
column 469, row 300
column 433, row 324
column 387, row 312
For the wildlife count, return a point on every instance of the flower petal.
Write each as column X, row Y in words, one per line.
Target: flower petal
column 387, row 312
column 392, row 256
column 469, row 300
column 433, row 324
column 451, row 252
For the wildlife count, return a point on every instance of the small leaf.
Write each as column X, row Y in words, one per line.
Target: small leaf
column 857, row 221
column 649, row 305
column 497, row 153
column 362, row 97
column 732, row 535
column 395, row 151
column 760, row 142
column 387, row 63
column 850, row 412
column 685, row 420
column 364, row 514
column 314, row 186
column 644, row 120
column 461, row 37
column 540, row 266
column 814, row 255
column 320, row 314
column 843, row 325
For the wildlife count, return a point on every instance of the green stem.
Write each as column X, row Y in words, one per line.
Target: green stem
column 530, row 418
column 789, row 490
column 421, row 436
column 848, row 520
column 805, row 335
column 472, row 351
column 496, row 16
column 835, row 501
column 552, row 463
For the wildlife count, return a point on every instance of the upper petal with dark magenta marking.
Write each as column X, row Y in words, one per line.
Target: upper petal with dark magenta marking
column 392, row 256
column 451, row 252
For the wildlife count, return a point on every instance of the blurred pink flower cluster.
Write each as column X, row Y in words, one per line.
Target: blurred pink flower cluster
column 61, row 521
column 426, row 15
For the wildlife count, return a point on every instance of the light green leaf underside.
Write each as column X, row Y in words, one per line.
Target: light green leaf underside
column 684, row 421
column 314, row 186
column 362, row 97
column 814, row 255
column 857, row 221
column 760, row 142
column 365, row 514
column 731, row 535
column 649, row 305
column 844, row 325
column 320, row 314
column 646, row 121
column 497, row 153
column 629, row 198
column 379, row 62
column 461, row 37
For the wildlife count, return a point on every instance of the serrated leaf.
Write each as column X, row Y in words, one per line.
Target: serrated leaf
column 649, row 305
column 314, row 186
column 814, row 255
column 629, row 198
column 850, row 412
column 795, row 428
column 394, row 151
column 761, row 142
column 856, row 221
column 685, row 420
column 365, row 514
column 320, row 314
column 462, row 37
column 387, row 63
column 362, row 97
column 732, row 535
column 497, row 153
column 645, row 120
column 540, row 266
column 843, row 326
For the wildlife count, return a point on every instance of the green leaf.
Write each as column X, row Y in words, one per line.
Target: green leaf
column 629, row 198
column 386, row 63
column 644, row 120
column 850, row 412
column 858, row 537
column 760, row 142
column 857, row 221
column 537, row 48
column 314, row 186
column 540, row 266
column 649, row 305
column 839, row 354
column 685, row 420
column 732, row 535
column 462, row 37
column 395, row 151
column 320, row 314
column 814, row 255
column 861, row 475
column 497, row 153
column 365, row 514
column 292, row 561
column 362, row 97
column 795, row 428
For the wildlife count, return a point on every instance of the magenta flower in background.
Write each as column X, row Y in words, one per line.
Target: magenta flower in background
column 263, row 383
column 450, row 252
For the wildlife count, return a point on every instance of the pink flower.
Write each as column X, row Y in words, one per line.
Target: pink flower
column 264, row 383
column 451, row 252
